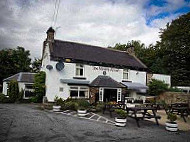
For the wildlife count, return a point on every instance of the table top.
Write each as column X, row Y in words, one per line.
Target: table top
column 141, row 108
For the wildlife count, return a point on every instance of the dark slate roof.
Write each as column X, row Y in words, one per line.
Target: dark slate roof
column 105, row 81
column 22, row 77
column 95, row 54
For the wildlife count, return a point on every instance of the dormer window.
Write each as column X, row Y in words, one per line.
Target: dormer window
column 125, row 74
column 79, row 70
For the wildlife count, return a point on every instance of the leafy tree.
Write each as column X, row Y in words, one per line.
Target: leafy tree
column 36, row 65
column 39, row 86
column 13, row 61
column 13, row 91
column 156, row 87
column 174, row 49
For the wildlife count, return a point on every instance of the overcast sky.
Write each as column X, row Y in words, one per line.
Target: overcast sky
column 97, row 22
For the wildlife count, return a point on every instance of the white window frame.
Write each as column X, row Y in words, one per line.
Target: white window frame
column 79, row 88
column 119, row 92
column 126, row 71
column 77, row 66
column 101, row 94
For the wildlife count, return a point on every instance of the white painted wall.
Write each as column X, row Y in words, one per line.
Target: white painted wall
column 5, row 85
column 163, row 77
column 90, row 72
column 21, row 85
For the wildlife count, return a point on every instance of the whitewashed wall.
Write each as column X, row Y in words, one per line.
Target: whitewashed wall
column 90, row 72
column 5, row 88
column 163, row 77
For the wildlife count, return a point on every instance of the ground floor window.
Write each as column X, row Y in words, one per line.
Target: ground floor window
column 29, row 91
column 79, row 92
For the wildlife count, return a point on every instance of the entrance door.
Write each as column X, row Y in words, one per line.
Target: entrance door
column 110, row 95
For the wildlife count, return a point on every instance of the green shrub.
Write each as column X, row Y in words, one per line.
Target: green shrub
column 100, row 106
column 13, row 91
column 34, row 99
column 4, row 99
column 70, row 106
column 39, row 86
column 83, row 104
column 156, row 87
column 20, row 96
column 172, row 117
column 59, row 102
column 121, row 113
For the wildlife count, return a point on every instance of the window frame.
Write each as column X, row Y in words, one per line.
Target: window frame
column 78, row 89
column 77, row 66
column 126, row 71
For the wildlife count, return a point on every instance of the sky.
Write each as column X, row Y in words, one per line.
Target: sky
column 96, row 22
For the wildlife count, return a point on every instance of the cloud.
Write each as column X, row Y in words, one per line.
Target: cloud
column 101, row 22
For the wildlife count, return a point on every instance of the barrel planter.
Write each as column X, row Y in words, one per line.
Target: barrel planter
column 171, row 126
column 121, row 122
column 81, row 113
column 56, row 108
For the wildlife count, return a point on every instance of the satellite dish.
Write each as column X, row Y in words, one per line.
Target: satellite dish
column 60, row 66
column 49, row 67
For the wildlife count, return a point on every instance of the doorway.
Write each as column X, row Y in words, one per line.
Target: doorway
column 110, row 95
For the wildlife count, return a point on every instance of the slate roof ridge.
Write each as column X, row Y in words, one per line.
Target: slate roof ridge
column 85, row 44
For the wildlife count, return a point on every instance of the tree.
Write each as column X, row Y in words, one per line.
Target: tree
column 156, row 87
column 174, row 49
column 13, row 61
column 39, row 86
column 36, row 65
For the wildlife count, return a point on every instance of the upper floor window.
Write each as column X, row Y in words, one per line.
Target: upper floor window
column 79, row 70
column 125, row 74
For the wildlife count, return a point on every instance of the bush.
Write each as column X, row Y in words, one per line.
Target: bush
column 172, row 117
column 121, row 113
column 69, row 106
column 156, row 87
column 83, row 104
column 34, row 99
column 100, row 106
column 13, row 91
column 39, row 87
column 59, row 102
column 4, row 99
column 20, row 96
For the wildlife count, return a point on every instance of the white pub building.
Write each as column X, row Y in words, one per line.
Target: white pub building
column 84, row 71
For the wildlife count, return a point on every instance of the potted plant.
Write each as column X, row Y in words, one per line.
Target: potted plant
column 121, row 118
column 58, row 101
column 171, row 125
column 82, row 107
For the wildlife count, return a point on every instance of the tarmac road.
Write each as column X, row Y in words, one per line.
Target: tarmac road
column 27, row 123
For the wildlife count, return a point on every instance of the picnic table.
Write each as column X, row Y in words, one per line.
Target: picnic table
column 144, row 112
column 111, row 107
column 181, row 109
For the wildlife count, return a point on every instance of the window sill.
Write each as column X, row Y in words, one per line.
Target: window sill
column 79, row 77
column 126, row 80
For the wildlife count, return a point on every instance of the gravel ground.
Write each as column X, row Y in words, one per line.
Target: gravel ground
column 27, row 123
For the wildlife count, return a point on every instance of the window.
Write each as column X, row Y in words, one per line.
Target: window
column 125, row 74
column 79, row 70
column 78, row 92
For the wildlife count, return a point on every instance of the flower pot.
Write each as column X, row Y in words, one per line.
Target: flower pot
column 121, row 122
column 56, row 108
column 171, row 126
column 81, row 113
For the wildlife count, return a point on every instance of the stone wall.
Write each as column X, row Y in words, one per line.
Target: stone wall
column 93, row 92
column 174, row 97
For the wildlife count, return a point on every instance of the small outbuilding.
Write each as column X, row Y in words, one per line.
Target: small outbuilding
column 25, row 82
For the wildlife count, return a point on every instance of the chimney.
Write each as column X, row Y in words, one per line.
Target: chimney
column 131, row 50
column 50, row 34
